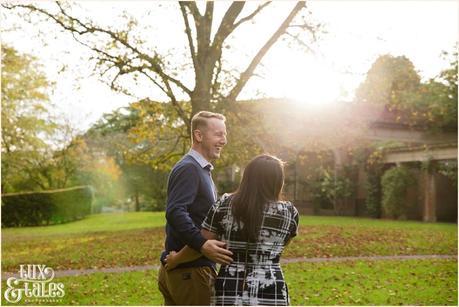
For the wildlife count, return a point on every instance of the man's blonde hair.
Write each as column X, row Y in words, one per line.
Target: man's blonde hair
column 200, row 119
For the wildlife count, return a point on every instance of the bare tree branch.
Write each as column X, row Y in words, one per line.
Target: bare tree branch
column 193, row 9
column 227, row 25
column 154, row 81
column 127, row 56
column 299, row 41
column 308, row 27
column 72, row 24
column 207, row 21
column 209, row 10
column 175, row 103
column 253, row 14
column 245, row 76
column 188, row 33
column 215, row 83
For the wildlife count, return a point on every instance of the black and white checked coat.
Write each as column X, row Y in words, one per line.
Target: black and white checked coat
column 255, row 276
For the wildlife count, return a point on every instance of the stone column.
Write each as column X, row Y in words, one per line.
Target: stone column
column 430, row 196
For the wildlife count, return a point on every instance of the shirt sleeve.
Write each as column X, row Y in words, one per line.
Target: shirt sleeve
column 182, row 190
column 295, row 218
column 214, row 216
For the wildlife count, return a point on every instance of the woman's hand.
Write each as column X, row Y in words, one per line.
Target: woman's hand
column 171, row 261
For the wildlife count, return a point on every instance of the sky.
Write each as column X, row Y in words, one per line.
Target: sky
column 356, row 33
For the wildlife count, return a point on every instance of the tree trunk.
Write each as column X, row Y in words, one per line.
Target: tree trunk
column 200, row 97
column 200, row 101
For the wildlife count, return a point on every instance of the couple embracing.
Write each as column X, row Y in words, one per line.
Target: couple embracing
column 245, row 231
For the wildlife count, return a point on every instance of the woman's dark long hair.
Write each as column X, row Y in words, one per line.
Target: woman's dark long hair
column 261, row 182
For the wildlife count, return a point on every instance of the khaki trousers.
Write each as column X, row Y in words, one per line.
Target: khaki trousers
column 187, row 286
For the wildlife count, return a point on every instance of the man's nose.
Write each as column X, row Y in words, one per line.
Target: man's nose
column 224, row 141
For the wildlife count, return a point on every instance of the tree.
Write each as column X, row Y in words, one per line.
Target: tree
column 25, row 120
column 394, row 82
column 38, row 152
column 157, row 138
column 388, row 82
column 115, row 137
column 123, row 57
column 438, row 99
column 145, row 186
column 62, row 168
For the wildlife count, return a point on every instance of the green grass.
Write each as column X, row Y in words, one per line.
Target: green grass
column 389, row 282
column 133, row 288
column 309, row 220
column 111, row 240
column 93, row 223
column 91, row 250
column 138, row 220
column 364, row 240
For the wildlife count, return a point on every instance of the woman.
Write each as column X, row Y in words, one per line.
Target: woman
column 256, row 225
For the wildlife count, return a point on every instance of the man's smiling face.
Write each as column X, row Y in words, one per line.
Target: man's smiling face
column 213, row 138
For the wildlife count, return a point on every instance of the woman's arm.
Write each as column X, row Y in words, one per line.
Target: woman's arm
column 187, row 254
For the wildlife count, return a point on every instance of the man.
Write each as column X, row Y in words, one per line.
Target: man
column 190, row 194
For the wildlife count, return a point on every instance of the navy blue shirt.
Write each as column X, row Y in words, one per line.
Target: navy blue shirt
column 190, row 194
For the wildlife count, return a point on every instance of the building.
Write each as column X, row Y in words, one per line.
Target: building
column 336, row 132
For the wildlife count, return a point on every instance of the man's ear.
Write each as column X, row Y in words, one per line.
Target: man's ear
column 197, row 135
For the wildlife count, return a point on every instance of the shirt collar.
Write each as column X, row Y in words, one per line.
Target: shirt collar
column 200, row 159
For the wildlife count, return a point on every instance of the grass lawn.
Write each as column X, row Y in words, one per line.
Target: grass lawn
column 139, row 220
column 389, row 282
column 92, row 223
column 111, row 240
column 310, row 220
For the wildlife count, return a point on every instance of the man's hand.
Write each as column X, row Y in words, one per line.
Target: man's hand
column 170, row 261
column 216, row 251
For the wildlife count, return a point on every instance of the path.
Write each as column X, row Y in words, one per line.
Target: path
column 63, row 273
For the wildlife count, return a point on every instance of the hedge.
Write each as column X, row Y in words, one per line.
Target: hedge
column 395, row 183
column 47, row 207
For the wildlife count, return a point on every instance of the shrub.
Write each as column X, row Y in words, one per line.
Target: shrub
column 328, row 188
column 48, row 207
column 449, row 170
column 373, row 191
column 395, row 183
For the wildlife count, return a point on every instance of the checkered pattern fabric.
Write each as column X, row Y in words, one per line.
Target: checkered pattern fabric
column 255, row 276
